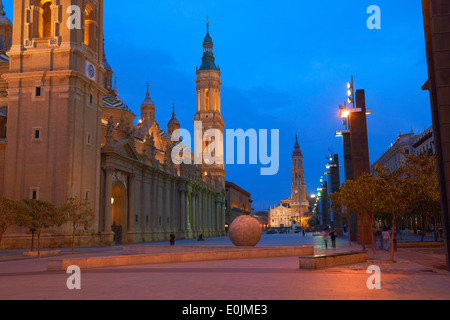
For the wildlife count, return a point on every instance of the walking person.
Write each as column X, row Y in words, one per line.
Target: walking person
column 325, row 237
column 386, row 238
column 333, row 238
column 172, row 239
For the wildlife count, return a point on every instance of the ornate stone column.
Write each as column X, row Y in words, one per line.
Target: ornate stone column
column 107, row 236
column 183, row 212
column 131, row 214
column 143, row 197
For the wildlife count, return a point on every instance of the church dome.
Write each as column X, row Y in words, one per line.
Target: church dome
column 207, row 40
column 148, row 101
column 173, row 120
column 3, row 18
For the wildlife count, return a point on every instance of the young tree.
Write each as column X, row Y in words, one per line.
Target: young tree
column 41, row 215
column 360, row 196
column 338, row 204
column 9, row 212
column 421, row 181
column 393, row 196
column 79, row 214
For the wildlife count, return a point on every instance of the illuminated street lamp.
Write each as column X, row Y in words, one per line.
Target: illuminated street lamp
column 351, row 93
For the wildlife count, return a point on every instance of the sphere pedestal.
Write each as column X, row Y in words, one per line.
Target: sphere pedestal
column 245, row 231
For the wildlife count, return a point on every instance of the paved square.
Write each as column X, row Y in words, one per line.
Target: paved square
column 417, row 274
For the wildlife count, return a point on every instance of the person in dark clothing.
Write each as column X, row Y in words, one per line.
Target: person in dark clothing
column 333, row 238
column 172, row 239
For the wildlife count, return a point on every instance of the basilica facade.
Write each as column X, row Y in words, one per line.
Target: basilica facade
column 65, row 132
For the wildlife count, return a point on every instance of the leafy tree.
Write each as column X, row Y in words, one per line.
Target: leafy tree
column 41, row 215
column 10, row 210
column 393, row 196
column 338, row 202
column 79, row 214
column 360, row 196
column 421, row 181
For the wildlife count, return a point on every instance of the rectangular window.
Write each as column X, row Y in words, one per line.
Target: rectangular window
column 36, row 134
column 38, row 91
column 34, row 193
column 89, row 139
column 91, row 99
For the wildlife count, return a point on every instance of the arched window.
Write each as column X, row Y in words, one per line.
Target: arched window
column 207, row 100
column 89, row 26
column 45, row 20
column 198, row 100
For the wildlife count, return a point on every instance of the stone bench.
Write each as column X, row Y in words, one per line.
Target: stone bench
column 419, row 244
column 332, row 260
column 144, row 257
column 42, row 252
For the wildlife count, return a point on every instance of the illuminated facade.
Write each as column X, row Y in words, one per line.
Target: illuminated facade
column 67, row 133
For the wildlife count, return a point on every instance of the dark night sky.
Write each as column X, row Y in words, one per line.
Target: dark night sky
column 284, row 64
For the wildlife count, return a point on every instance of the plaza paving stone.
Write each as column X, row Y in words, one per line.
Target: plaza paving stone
column 417, row 274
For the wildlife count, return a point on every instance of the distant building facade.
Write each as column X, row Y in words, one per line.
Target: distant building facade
column 424, row 142
column 406, row 144
column 395, row 155
column 237, row 202
column 262, row 217
column 280, row 217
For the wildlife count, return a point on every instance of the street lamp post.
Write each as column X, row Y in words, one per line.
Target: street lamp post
column 356, row 146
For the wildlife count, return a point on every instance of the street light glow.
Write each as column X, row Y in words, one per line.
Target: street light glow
column 345, row 113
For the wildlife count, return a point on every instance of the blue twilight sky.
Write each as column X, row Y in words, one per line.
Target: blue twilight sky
column 284, row 64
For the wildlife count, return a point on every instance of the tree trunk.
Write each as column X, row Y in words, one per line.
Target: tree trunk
column 73, row 242
column 393, row 236
column 32, row 240
column 435, row 230
column 39, row 244
column 348, row 230
column 372, row 235
column 422, row 222
column 2, row 232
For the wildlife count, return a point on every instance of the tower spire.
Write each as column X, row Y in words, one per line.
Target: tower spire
column 2, row 12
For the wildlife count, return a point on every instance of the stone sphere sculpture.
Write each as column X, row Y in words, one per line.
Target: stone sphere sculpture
column 245, row 231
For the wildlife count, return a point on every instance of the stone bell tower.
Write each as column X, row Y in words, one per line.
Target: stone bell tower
column 299, row 200
column 209, row 108
column 56, row 82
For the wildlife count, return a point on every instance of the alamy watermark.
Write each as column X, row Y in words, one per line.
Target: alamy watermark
column 374, row 21
column 74, row 281
column 210, row 147
column 374, row 281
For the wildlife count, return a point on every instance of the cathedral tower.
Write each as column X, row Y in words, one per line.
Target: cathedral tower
column 208, row 106
column 56, row 82
column 299, row 201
